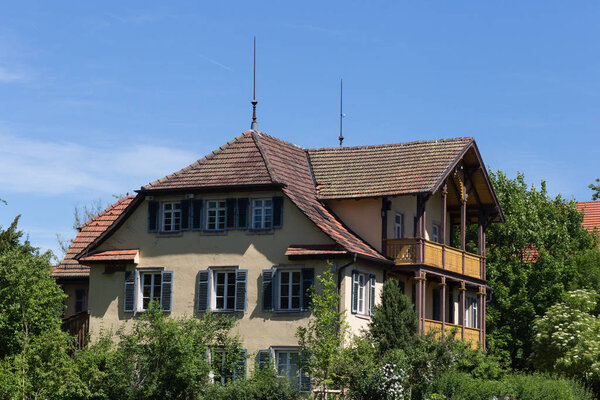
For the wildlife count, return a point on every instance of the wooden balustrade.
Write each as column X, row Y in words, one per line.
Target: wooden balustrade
column 77, row 325
column 425, row 252
column 435, row 327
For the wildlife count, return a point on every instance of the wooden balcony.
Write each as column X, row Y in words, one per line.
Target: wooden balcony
column 77, row 325
column 416, row 251
column 438, row 329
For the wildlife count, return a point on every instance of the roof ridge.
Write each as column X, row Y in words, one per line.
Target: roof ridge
column 372, row 146
column 263, row 153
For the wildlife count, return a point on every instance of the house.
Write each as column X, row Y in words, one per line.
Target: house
column 591, row 214
column 246, row 229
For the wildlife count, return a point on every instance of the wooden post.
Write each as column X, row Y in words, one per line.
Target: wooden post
column 418, row 299
column 443, row 232
column 443, row 300
column 463, row 229
column 385, row 207
column 461, row 313
column 423, row 302
column 480, row 295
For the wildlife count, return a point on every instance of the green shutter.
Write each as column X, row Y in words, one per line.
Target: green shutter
column 355, row 284
column 185, row 215
column 197, row 215
column 129, row 300
column 240, row 368
column 153, row 216
column 241, row 287
column 264, row 358
column 308, row 279
column 230, row 212
column 203, row 290
column 242, row 212
column 277, row 211
column 166, row 298
column 267, row 289
column 372, row 280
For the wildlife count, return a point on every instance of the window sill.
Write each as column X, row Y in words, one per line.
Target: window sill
column 363, row 316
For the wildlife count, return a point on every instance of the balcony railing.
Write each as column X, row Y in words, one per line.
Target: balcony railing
column 437, row 328
column 425, row 252
column 78, row 325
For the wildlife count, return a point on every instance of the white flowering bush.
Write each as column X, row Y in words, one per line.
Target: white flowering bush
column 567, row 338
column 393, row 382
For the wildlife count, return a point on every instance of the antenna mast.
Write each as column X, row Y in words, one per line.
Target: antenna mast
column 254, row 125
column 341, row 111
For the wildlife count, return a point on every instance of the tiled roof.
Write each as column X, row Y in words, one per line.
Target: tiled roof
column 380, row 170
column 88, row 232
column 314, row 249
column 112, row 255
column 239, row 162
column 259, row 159
column 591, row 214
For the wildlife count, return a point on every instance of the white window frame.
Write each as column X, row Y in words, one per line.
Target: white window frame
column 140, row 276
column 226, row 289
column 435, row 237
column 222, row 354
column 362, row 297
column 288, row 352
column 398, row 226
column 220, row 211
column 174, row 214
column 471, row 311
column 264, row 223
column 290, row 273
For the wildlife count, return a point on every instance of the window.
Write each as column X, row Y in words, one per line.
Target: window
column 435, row 233
column 363, row 292
column 226, row 367
column 398, row 226
column 224, row 290
column 80, row 300
column 471, row 311
column 144, row 286
column 151, row 288
column 287, row 363
column 290, row 283
column 215, row 215
column 171, row 217
column 262, row 214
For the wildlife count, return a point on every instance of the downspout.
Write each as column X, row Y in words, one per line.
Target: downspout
column 339, row 281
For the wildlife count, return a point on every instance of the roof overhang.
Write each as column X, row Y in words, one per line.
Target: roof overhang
column 112, row 256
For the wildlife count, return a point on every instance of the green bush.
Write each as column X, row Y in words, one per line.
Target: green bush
column 264, row 384
column 462, row 386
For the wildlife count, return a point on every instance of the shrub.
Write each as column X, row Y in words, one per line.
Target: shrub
column 264, row 384
column 462, row 386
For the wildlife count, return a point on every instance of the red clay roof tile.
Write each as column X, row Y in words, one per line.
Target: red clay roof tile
column 88, row 232
column 384, row 170
column 591, row 214
column 112, row 255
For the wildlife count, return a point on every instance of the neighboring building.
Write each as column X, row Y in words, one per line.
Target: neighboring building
column 245, row 230
column 591, row 215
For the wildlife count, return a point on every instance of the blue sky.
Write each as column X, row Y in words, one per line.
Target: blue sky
column 100, row 98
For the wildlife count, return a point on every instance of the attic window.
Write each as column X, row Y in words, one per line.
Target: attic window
column 171, row 217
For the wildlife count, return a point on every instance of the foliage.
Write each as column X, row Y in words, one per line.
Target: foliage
column 532, row 259
column 394, row 322
column 567, row 339
column 264, row 384
column 321, row 342
column 43, row 369
column 462, row 386
column 595, row 189
column 160, row 358
column 30, row 300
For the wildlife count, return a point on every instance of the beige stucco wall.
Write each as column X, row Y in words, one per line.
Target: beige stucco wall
column 362, row 216
column 189, row 252
column 69, row 289
column 406, row 205
column 357, row 323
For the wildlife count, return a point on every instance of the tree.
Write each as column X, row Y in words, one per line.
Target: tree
column 30, row 300
column 394, row 322
column 321, row 342
column 595, row 189
column 159, row 357
column 532, row 259
column 567, row 338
